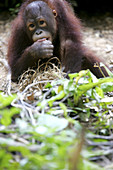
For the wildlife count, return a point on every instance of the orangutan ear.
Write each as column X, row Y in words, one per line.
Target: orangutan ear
column 54, row 13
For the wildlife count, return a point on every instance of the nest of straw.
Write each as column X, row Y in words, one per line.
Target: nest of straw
column 36, row 79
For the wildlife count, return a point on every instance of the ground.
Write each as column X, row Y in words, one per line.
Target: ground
column 97, row 35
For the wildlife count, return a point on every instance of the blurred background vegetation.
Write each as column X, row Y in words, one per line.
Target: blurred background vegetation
column 87, row 5
column 6, row 4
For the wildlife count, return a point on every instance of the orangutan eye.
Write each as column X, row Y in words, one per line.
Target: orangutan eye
column 31, row 26
column 42, row 23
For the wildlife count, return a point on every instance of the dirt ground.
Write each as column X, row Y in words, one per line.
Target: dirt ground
column 97, row 35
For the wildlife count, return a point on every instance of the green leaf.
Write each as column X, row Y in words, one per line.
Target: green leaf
column 107, row 100
column 64, row 108
column 52, row 122
column 6, row 100
column 48, row 85
column 99, row 91
column 4, row 159
column 59, row 96
column 85, row 87
column 107, row 87
column 7, row 115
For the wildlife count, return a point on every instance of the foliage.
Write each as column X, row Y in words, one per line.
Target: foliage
column 14, row 10
column 63, row 129
column 11, row 3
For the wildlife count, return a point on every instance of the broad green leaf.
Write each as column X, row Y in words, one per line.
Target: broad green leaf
column 52, row 122
column 85, row 87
